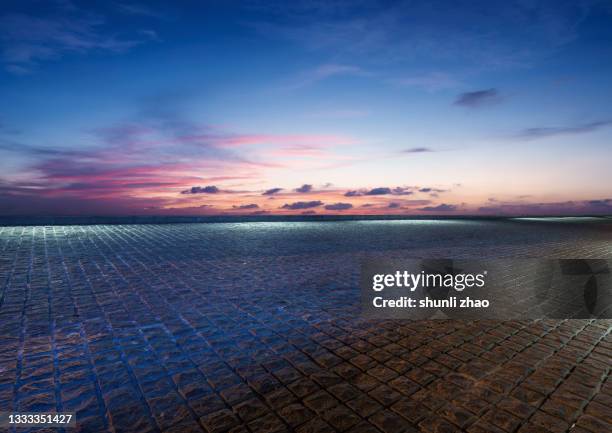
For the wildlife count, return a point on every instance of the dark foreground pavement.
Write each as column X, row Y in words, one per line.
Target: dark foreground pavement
column 182, row 328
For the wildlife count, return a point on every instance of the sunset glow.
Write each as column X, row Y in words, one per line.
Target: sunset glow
column 298, row 108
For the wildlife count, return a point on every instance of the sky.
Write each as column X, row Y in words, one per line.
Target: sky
column 306, row 107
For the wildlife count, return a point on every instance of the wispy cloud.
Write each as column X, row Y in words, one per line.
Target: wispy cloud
column 26, row 40
column 544, row 132
column 478, row 98
column 440, row 208
column 302, row 205
column 417, row 150
column 326, row 71
column 431, row 82
column 429, row 189
column 570, row 207
column 513, row 33
column 382, row 190
column 338, row 206
column 249, row 206
column 140, row 9
column 271, row 191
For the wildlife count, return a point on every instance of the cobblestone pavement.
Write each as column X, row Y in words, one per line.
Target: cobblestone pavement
column 229, row 327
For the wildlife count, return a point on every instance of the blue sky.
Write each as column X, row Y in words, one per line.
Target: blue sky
column 465, row 107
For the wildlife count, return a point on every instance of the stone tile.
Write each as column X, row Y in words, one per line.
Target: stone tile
column 219, row 421
column 180, row 318
column 295, row 414
column 385, row 395
column 341, row 418
column 316, row 425
column 320, row 401
column 267, row 424
column 411, row 410
column 303, row 387
column 502, row 419
column 549, row 422
column 436, row 424
column 364, row 406
column 344, row 392
column 593, row 424
column 250, row 409
column 389, row 422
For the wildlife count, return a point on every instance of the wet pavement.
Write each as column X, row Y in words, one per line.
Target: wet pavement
column 256, row 327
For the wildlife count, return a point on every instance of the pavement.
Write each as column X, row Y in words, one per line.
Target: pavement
column 154, row 328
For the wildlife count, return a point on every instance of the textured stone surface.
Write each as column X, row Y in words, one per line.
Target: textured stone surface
column 243, row 327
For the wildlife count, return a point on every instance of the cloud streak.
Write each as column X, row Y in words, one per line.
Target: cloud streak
column 338, row 206
column 478, row 98
column 27, row 40
column 302, row 205
column 440, row 208
column 417, row 150
column 545, row 132
column 272, row 191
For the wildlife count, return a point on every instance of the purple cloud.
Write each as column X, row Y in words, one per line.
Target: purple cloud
column 211, row 189
column 379, row 191
column 304, row 188
column 246, row 206
column 338, row 206
column 427, row 189
column 440, row 208
column 352, row 194
column 401, row 191
column 302, row 205
column 271, row 191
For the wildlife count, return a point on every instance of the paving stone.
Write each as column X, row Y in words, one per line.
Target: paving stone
column 502, row 419
column 411, row 410
column 320, row 401
column 250, row 409
column 295, row 414
column 594, row 424
column 279, row 398
column 303, row 387
column 404, row 385
column 600, row 411
column 219, row 421
column 341, row 418
column 344, row 392
column 549, row 422
column 267, row 424
column 180, row 327
column 363, row 427
column 389, row 422
column 457, row 415
column 436, row 424
column 315, row 425
column 364, row 406
column 130, row 419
